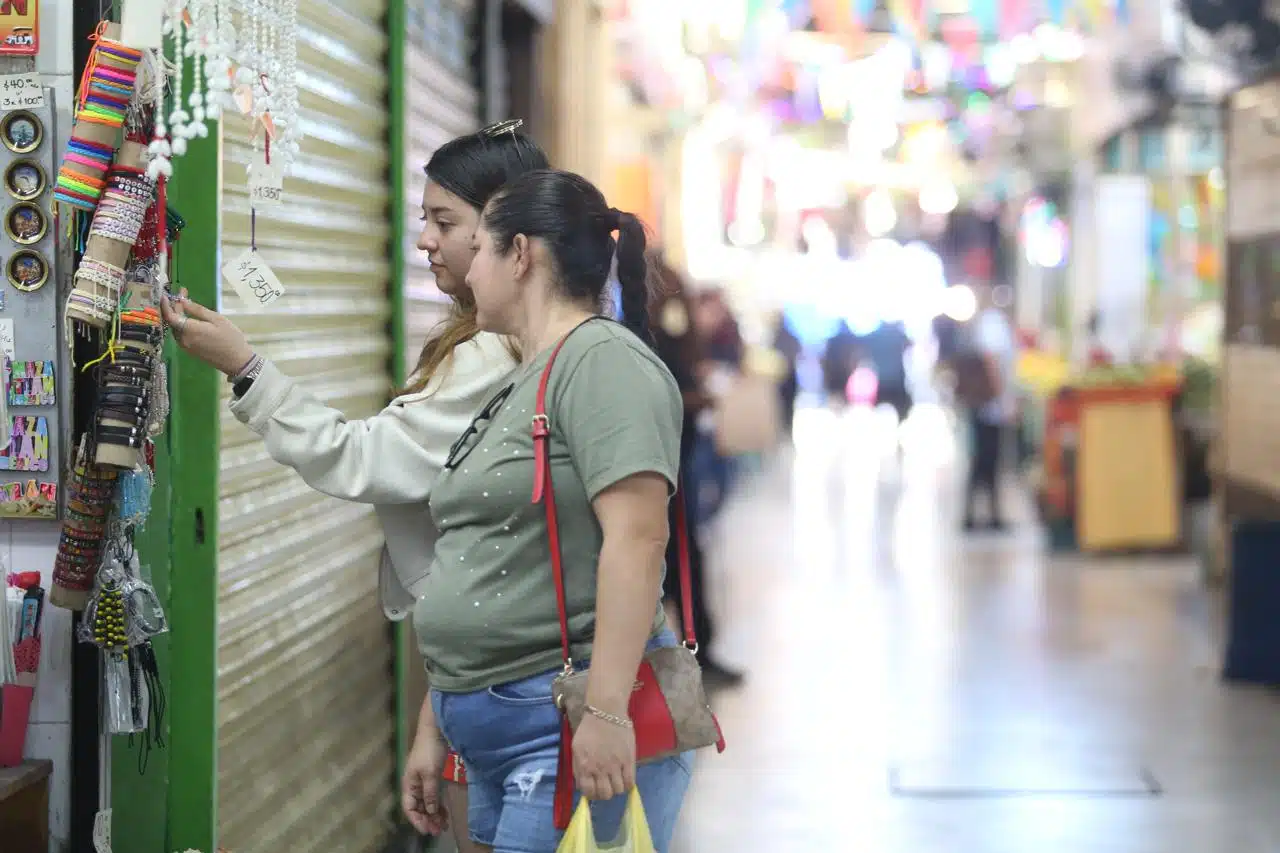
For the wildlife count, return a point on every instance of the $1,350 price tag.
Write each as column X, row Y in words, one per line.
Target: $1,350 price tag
column 21, row 92
column 253, row 280
column 266, row 182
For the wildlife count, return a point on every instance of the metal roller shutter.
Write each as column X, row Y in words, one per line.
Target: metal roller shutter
column 305, row 719
column 443, row 103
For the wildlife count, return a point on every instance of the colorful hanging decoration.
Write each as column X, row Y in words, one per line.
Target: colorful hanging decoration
column 252, row 70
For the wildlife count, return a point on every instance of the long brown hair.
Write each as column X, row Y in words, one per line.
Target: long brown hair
column 472, row 167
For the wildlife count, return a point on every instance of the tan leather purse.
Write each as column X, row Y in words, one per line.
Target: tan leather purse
column 668, row 706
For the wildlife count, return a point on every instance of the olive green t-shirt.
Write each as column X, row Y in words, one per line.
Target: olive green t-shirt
column 488, row 613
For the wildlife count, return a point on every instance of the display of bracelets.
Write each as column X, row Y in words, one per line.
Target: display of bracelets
column 96, row 293
column 123, row 207
column 84, row 533
column 124, row 394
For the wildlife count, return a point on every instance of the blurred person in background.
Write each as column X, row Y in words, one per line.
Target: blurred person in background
column 722, row 352
column 719, row 329
column 992, row 405
column 886, row 348
column 787, row 346
column 677, row 343
column 839, row 360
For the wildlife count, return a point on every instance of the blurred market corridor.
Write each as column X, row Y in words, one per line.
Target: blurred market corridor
column 910, row 690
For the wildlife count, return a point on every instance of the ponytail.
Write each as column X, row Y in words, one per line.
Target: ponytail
column 577, row 225
column 633, row 275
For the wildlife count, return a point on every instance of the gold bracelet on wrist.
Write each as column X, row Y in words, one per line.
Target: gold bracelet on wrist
column 624, row 722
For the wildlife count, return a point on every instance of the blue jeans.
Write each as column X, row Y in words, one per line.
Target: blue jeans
column 509, row 738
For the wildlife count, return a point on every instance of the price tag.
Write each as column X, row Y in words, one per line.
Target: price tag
column 21, row 92
column 266, row 184
column 102, row 831
column 6, row 339
column 253, row 280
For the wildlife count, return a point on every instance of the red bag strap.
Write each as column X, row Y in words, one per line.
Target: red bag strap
column 544, row 493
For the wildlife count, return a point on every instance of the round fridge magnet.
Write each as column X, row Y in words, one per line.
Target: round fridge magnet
column 25, row 224
column 25, row 180
column 22, row 132
column 27, row 271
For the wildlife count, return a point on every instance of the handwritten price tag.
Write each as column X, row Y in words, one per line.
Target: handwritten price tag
column 21, row 92
column 266, row 183
column 6, row 339
column 253, row 280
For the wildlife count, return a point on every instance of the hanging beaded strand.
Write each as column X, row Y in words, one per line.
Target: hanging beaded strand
column 161, row 148
column 217, row 62
column 179, row 130
column 197, row 46
column 287, row 121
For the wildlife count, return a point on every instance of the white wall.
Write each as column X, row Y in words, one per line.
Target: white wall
column 31, row 545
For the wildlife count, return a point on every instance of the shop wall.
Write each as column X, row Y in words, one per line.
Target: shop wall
column 578, row 65
column 32, row 545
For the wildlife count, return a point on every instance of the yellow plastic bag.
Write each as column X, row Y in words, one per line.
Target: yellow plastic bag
column 634, row 837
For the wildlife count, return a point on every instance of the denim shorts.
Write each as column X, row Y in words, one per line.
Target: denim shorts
column 509, row 738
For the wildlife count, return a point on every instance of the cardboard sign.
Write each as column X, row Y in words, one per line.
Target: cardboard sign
column 266, row 185
column 31, row 384
column 28, row 445
column 253, row 280
column 21, row 92
column 140, row 24
column 19, row 27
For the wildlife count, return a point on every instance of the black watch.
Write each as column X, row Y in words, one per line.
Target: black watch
column 241, row 386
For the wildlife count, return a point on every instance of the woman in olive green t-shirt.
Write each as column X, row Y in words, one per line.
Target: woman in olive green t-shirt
column 487, row 620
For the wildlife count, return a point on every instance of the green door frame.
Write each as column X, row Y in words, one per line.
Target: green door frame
column 397, row 23
column 170, row 802
column 173, row 804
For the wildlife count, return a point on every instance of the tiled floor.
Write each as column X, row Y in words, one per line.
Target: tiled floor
column 913, row 691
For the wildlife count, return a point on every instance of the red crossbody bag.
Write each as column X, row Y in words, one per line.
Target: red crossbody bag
column 668, row 704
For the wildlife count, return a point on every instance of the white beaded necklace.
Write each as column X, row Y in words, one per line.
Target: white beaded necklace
column 258, row 62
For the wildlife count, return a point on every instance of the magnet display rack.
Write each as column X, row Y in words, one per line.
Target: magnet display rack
column 33, row 383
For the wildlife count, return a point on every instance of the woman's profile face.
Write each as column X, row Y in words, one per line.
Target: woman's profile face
column 492, row 282
column 448, row 232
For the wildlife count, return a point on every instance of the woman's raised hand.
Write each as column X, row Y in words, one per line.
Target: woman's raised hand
column 206, row 334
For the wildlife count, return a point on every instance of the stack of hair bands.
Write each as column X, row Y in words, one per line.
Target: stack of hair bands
column 108, row 83
column 80, row 180
column 102, row 106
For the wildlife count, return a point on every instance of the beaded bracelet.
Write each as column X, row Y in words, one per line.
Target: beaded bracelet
column 100, row 272
column 96, row 310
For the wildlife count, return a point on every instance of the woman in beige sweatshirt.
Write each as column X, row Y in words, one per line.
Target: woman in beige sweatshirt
column 392, row 459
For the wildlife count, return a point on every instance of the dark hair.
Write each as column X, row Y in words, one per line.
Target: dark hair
column 472, row 167
column 475, row 166
column 572, row 218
